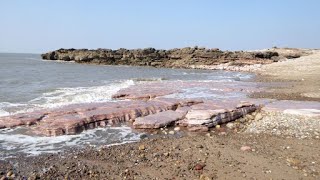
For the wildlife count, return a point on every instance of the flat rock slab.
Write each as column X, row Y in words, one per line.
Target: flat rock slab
column 145, row 91
column 303, row 108
column 288, row 104
column 159, row 120
column 303, row 112
column 203, row 116
column 76, row 118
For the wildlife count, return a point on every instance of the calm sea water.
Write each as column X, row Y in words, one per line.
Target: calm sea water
column 28, row 83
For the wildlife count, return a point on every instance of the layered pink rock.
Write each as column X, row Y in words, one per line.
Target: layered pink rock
column 145, row 91
column 159, row 120
column 21, row 119
column 203, row 116
column 76, row 118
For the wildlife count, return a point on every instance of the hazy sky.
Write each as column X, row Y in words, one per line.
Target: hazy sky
column 41, row 25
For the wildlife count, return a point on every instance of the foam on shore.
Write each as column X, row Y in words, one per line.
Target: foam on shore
column 66, row 96
column 16, row 141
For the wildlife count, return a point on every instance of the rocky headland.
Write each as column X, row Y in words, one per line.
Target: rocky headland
column 174, row 58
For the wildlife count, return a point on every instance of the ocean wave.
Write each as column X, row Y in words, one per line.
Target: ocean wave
column 66, row 96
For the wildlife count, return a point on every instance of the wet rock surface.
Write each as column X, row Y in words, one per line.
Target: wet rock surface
column 160, row 104
column 154, row 114
column 159, row 120
column 76, row 118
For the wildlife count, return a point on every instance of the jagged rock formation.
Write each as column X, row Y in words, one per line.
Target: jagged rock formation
column 179, row 58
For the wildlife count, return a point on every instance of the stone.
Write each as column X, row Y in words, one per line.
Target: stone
column 155, row 121
column 222, row 133
column 9, row 173
column 230, row 125
column 242, row 120
column 198, row 129
column 143, row 93
column 204, row 177
column 258, row 117
column 199, row 166
column 143, row 136
column 200, row 114
column 293, row 161
column 142, row 147
column 171, row 132
column 12, row 176
column 250, row 117
column 199, row 122
column 176, row 129
column 245, row 148
column 244, row 104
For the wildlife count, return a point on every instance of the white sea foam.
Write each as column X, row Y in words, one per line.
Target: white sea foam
column 3, row 113
column 66, row 96
column 12, row 141
column 205, row 93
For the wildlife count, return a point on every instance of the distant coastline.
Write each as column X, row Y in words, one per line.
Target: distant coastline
column 189, row 57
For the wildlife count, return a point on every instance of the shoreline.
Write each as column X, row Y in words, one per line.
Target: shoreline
column 224, row 154
column 234, row 150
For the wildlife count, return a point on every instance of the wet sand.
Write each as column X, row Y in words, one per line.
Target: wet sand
column 225, row 155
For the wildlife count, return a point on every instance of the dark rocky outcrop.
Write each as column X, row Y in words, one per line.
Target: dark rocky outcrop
column 179, row 58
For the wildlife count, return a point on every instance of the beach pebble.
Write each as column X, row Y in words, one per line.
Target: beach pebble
column 142, row 147
column 199, row 146
column 258, row 117
column 230, row 125
column 250, row 117
column 218, row 126
column 177, row 129
column 245, row 148
column 204, row 177
column 199, row 166
column 171, row 132
column 9, row 173
column 242, row 120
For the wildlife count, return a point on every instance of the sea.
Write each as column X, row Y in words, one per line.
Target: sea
column 28, row 83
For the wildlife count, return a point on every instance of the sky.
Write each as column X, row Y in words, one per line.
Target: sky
column 37, row 26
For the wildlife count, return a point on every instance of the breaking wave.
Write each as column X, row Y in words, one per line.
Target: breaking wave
column 66, row 96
